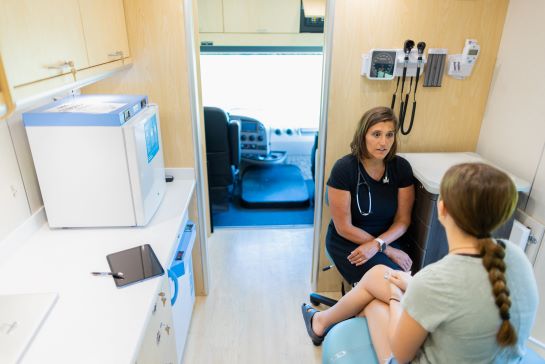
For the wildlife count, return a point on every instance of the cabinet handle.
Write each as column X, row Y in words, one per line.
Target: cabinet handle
column 63, row 65
column 158, row 337
column 116, row 54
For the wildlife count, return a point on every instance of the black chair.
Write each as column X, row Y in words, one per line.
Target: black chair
column 222, row 155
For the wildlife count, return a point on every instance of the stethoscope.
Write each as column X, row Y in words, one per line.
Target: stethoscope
column 362, row 177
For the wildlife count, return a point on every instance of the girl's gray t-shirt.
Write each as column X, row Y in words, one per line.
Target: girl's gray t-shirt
column 452, row 299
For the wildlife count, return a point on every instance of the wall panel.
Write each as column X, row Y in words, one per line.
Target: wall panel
column 157, row 44
column 447, row 118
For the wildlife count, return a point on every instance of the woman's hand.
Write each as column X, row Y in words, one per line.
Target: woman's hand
column 400, row 279
column 363, row 253
column 399, row 257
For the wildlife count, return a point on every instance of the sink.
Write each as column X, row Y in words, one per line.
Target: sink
column 21, row 316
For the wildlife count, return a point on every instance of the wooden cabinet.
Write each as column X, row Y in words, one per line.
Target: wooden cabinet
column 159, row 346
column 261, row 16
column 3, row 106
column 210, row 16
column 52, row 45
column 40, row 39
column 104, row 29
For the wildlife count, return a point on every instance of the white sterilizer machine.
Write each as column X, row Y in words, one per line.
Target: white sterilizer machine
column 98, row 159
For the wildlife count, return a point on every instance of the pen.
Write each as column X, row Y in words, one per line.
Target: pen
column 117, row 275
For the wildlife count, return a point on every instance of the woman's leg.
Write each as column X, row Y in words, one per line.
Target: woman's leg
column 378, row 317
column 371, row 286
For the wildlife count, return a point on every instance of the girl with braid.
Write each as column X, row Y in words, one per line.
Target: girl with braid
column 476, row 305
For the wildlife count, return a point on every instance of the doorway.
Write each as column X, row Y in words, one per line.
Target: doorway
column 274, row 96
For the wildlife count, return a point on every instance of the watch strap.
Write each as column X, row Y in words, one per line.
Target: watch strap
column 382, row 244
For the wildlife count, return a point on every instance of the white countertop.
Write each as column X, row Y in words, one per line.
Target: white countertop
column 93, row 321
column 429, row 168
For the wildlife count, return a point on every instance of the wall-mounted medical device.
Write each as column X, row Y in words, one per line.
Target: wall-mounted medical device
column 461, row 65
column 435, row 67
column 99, row 160
column 386, row 64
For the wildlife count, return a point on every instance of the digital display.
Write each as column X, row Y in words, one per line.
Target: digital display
column 152, row 137
column 472, row 52
column 249, row 127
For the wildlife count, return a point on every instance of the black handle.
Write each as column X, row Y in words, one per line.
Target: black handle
column 393, row 101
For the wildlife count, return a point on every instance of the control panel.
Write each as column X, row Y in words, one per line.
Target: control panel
column 254, row 139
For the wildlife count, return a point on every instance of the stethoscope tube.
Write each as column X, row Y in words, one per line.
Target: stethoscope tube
column 421, row 46
column 358, row 193
column 360, row 174
column 407, row 47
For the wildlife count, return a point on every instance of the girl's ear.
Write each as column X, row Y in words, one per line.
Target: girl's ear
column 441, row 210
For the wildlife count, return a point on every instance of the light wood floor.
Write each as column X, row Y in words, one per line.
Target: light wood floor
column 259, row 278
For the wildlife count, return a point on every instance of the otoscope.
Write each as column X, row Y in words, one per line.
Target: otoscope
column 420, row 46
column 407, row 47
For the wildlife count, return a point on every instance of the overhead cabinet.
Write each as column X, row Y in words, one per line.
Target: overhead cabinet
column 104, row 30
column 54, row 39
column 40, row 39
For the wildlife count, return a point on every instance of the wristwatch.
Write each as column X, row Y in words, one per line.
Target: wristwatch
column 381, row 245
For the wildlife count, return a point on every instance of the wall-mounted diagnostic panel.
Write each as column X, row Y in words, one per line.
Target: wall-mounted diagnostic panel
column 382, row 64
column 386, row 64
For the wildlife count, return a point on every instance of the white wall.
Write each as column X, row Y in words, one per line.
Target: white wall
column 513, row 129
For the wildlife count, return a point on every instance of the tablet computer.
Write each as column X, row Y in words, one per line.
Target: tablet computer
column 136, row 264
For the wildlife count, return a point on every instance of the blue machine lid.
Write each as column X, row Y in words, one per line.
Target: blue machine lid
column 87, row 110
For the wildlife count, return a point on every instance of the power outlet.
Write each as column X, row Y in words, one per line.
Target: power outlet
column 536, row 234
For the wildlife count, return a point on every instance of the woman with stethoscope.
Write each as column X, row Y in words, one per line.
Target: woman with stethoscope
column 371, row 195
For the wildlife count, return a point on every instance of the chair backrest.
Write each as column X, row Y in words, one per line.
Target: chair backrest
column 313, row 157
column 222, row 146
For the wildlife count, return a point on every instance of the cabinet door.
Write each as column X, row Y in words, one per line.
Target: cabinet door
column 37, row 37
column 159, row 346
column 261, row 16
column 105, row 30
column 13, row 199
column 210, row 16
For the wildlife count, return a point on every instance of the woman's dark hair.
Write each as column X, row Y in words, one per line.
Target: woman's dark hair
column 371, row 117
column 480, row 198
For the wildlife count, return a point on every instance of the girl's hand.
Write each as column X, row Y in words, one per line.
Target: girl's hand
column 400, row 279
column 363, row 253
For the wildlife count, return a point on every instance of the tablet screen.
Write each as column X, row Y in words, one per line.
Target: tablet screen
column 136, row 264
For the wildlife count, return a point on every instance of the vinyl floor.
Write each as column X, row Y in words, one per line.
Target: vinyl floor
column 258, row 280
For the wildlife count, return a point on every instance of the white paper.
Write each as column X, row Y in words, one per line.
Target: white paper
column 86, row 108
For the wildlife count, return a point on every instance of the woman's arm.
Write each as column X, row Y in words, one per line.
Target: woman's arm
column 339, row 206
column 402, row 219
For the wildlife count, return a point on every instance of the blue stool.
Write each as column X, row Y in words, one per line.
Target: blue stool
column 349, row 342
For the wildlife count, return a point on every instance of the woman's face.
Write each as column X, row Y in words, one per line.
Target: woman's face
column 379, row 139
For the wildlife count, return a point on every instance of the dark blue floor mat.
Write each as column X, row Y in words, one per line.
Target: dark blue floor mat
column 274, row 186
column 238, row 216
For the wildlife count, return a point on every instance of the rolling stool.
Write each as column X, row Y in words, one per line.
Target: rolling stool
column 349, row 342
